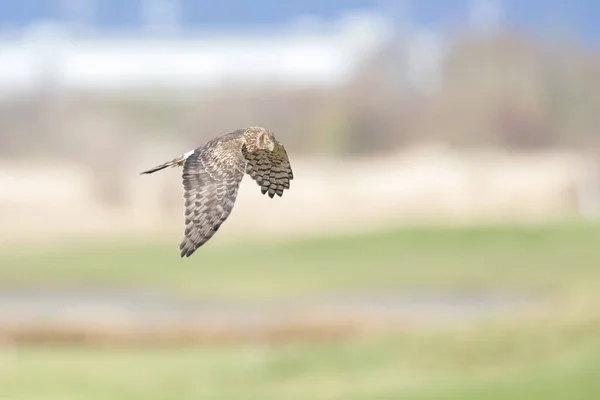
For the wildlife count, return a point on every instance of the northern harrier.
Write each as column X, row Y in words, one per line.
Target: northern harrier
column 212, row 175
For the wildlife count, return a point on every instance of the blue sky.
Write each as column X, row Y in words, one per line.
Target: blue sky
column 582, row 16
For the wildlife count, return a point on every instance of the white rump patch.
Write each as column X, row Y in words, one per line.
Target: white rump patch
column 189, row 153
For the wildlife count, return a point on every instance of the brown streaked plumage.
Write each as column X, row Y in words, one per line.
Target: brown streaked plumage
column 212, row 174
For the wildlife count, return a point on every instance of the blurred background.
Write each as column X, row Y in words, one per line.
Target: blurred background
column 440, row 239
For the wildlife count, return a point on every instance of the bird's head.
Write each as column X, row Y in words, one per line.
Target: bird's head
column 258, row 138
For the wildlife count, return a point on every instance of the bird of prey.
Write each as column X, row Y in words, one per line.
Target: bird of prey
column 212, row 174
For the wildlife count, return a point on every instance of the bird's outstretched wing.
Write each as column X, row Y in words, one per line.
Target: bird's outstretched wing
column 211, row 178
column 270, row 169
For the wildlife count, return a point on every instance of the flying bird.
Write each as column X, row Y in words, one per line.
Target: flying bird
column 212, row 174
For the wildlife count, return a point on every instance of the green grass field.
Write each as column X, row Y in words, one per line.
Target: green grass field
column 549, row 353
column 551, row 259
column 538, row 358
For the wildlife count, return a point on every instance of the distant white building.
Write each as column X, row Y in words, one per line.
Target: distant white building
column 287, row 57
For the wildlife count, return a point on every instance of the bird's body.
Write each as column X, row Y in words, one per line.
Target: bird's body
column 212, row 175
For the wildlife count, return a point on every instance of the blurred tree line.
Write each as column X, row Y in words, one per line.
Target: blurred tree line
column 503, row 90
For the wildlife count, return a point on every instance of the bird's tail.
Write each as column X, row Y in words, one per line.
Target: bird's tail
column 176, row 162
